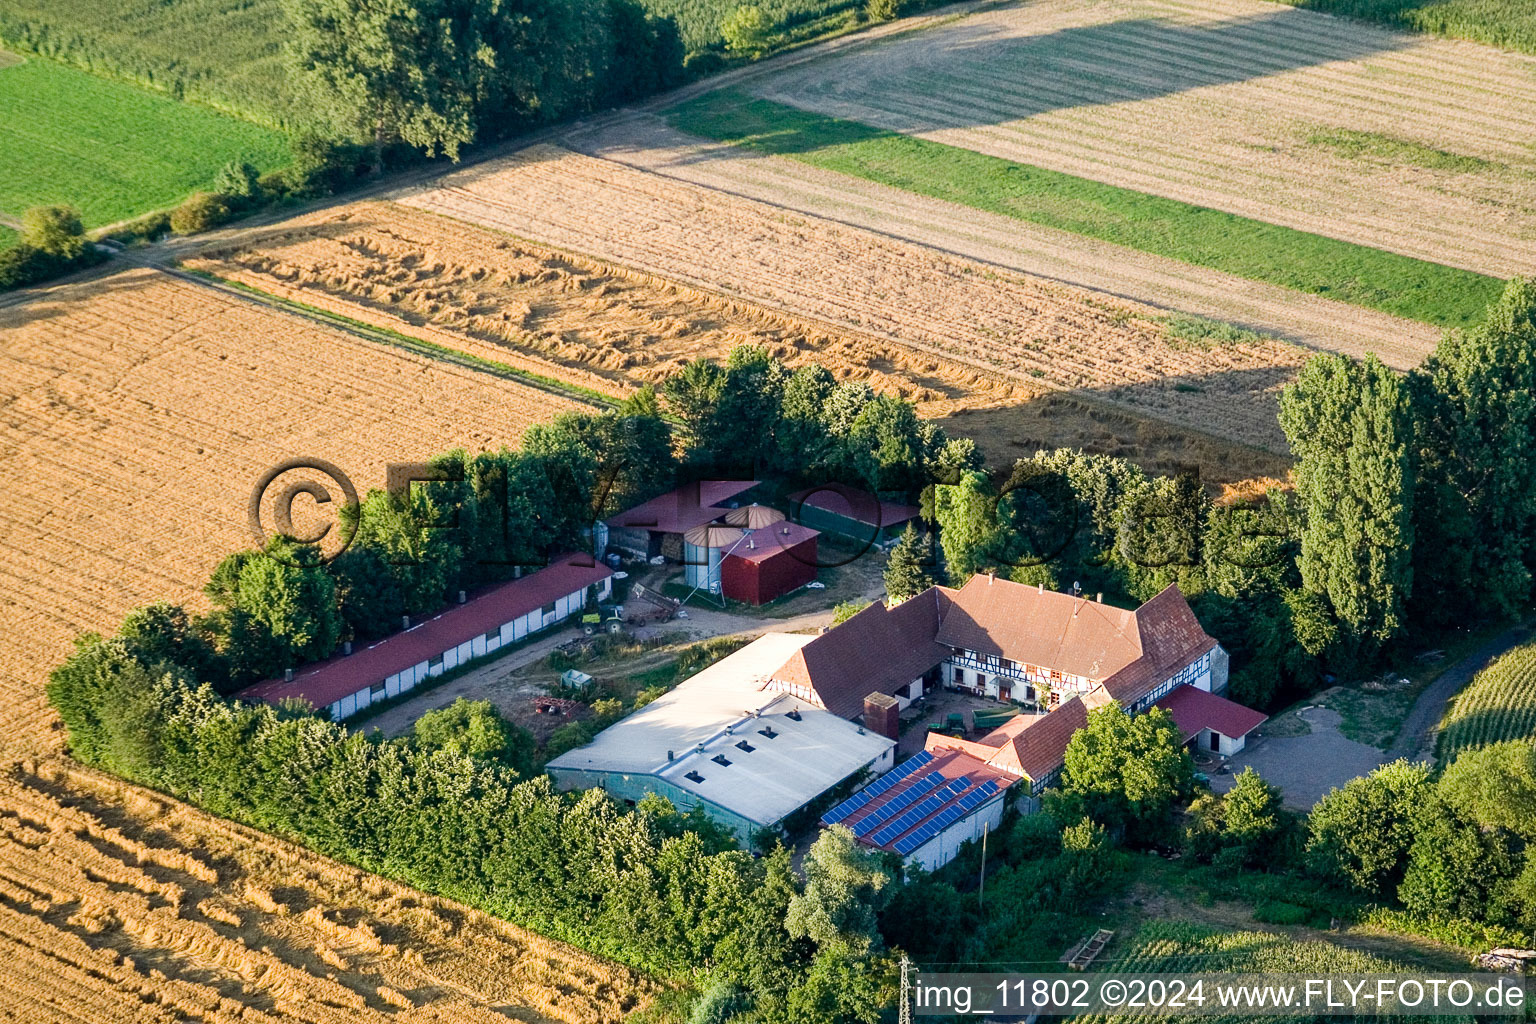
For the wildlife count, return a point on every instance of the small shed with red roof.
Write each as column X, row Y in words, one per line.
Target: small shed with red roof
column 1210, row 722
column 769, row 563
column 495, row 618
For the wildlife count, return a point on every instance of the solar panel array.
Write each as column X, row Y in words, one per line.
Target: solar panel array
column 922, row 810
column 951, row 814
column 877, row 787
column 896, row 804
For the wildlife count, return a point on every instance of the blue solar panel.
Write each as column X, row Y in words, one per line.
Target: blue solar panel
column 893, row 806
column 921, row 811
column 948, row 816
column 875, row 788
column 977, row 796
column 847, row 807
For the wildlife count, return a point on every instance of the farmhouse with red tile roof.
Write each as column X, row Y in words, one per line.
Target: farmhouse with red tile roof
column 1059, row 654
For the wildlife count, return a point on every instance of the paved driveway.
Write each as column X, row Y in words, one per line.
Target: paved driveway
column 1305, row 767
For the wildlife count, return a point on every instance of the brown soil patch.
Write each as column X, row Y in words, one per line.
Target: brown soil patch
column 119, row 905
column 137, row 411
column 607, row 327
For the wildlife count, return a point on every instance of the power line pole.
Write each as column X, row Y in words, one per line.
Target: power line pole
column 906, row 992
column 981, row 890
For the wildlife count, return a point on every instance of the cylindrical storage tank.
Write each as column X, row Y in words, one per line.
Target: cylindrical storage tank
column 702, row 550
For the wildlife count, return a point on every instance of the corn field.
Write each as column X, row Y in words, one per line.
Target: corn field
column 1499, row 704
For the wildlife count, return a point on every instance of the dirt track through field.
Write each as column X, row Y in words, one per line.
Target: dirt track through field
column 647, row 142
column 1221, row 103
column 118, row 905
column 137, row 411
column 1030, row 331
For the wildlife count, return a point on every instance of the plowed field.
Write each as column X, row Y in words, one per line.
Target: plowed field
column 610, row 328
column 118, row 905
column 137, row 411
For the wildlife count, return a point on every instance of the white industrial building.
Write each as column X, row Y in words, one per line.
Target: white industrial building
column 747, row 756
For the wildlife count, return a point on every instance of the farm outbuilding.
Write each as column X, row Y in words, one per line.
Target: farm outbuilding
column 656, row 527
column 925, row 808
column 769, row 563
column 500, row 616
column 748, row 757
column 1209, row 722
column 851, row 513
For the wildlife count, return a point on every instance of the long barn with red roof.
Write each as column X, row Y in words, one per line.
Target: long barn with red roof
column 499, row 616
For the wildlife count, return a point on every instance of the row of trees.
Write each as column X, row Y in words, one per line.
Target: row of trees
column 448, row 810
column 754, row 414
column 1413, row 505
column 437, row 75
column 1418, row 502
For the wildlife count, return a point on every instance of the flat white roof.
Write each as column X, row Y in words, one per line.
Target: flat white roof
column 711, row 714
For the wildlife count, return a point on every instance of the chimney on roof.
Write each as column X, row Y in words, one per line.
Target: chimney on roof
column 1040, row 588
column 287, row 675
column 882, row 715
column 990, row 578
column 669, row 755
column 346, row 648
column 1099, row 597
column 461, row 597
column 405, row 622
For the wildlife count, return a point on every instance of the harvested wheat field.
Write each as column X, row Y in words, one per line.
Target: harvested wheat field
column 118, row 905
column 645, row 141
column 139, row 411
column 1026, row 331
column 610, row 328
column 1403, row 142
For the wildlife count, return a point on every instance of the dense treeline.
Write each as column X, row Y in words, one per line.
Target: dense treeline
column 439, row 74
column 755, row 415
column 649, row 887
column 1414, row 511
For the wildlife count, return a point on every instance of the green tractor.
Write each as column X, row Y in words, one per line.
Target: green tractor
column 604, row 620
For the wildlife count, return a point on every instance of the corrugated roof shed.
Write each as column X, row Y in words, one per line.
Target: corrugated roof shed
column 680, row 510
column 859, row 506
column 719, row 710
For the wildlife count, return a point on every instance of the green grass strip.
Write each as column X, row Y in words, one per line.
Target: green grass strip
column 1356, row 274
column 420, row 346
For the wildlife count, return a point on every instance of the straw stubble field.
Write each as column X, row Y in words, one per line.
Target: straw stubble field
column 118, row 905
column 138, row 412
column 1027, row 331
column 1017, row 363
column 1407, row 143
